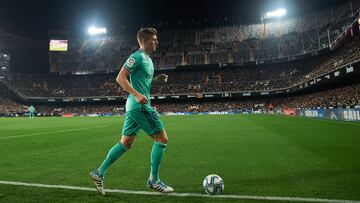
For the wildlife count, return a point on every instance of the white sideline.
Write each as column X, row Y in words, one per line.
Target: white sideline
column 52, row 132
column 243, row 197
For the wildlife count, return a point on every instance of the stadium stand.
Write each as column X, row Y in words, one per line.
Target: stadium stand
column 221, row 59
column 8, row 106
column 339, row 97
column 220, row 44
column 196, row 80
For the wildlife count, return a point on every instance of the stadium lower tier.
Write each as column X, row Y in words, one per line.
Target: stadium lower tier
column 348, row 96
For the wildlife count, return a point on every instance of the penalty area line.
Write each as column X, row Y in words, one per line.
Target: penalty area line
column 243, row 197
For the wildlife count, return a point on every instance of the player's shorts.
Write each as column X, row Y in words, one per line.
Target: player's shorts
column 142, row 118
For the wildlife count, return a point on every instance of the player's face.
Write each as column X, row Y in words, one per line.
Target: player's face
column 151, row 44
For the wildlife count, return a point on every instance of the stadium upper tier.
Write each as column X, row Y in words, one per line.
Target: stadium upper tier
column 268, row 76
column 198, row 44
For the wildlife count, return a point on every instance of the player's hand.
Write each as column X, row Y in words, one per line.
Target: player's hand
column 163, row 77
column 141, row 99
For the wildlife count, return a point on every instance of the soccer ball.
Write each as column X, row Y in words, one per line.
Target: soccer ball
column 213, row 184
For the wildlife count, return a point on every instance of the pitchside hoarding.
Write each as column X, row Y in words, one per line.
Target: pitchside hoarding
column 349, row 114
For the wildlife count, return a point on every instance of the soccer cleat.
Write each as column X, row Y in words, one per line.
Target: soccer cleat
column 159, row 187
column 98, row 181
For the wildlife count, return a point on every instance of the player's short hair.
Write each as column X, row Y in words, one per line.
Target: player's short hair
column 146, row 33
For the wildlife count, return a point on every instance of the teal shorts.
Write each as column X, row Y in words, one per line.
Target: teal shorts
column 142, row 118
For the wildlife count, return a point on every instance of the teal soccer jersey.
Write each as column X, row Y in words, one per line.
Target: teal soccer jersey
column 140, row 116
column 31, row 109
column 141, row 70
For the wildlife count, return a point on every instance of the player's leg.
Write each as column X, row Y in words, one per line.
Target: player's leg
column 157, row 154
column 116, row 152
column 150, row 122
column 129, row 132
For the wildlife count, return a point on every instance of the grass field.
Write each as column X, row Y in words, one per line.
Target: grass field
column 259, row 155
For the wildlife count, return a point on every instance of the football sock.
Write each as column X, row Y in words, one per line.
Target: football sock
column 114, row 153
column 157, row 154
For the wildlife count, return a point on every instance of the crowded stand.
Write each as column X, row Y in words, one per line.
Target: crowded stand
column 274, row 55
column 8, row 106
column 342, row 97
column 194, row 80
column 214, row 44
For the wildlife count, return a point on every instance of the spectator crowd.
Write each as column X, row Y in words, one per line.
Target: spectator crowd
column 232, row 45
column 212, row 44
column 260, row 77
column 339, row 97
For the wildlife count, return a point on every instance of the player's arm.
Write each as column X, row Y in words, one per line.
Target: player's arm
column 162, row 78
column 123, row 81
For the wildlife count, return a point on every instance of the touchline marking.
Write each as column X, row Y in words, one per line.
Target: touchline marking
column 329, row 120
column 52, row 132
column 244, row 197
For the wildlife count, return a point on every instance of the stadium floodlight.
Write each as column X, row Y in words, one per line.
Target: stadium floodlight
column 95, row 30
column 275, row 14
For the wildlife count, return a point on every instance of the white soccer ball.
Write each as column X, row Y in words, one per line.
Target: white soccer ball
column 213, row 184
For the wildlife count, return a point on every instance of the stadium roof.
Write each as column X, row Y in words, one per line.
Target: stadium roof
column 26, row 24
column 10, row 41
column 33, row 19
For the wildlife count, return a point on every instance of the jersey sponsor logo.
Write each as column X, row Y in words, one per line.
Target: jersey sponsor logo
column 131, row 62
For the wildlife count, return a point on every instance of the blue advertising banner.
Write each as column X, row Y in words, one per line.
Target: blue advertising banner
column 349, row 114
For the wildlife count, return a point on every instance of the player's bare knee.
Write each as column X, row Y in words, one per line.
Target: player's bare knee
column 161, row 137
column 127, row 141
column 164, row 140
column 128, row 145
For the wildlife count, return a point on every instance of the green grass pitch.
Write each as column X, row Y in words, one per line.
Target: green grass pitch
column 263, row 155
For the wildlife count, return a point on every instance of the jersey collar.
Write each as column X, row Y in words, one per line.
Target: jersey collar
column 144, row 52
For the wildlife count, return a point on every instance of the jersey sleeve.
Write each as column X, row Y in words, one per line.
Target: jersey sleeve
column 133, row 62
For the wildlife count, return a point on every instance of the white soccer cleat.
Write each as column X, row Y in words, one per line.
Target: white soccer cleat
column 159, row 187
column 98, row 181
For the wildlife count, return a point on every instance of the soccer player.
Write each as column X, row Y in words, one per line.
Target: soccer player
column 136, row 77
column 271, row 108
column 31, row 111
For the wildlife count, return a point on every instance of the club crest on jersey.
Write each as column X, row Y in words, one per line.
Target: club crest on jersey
column 131, row 62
